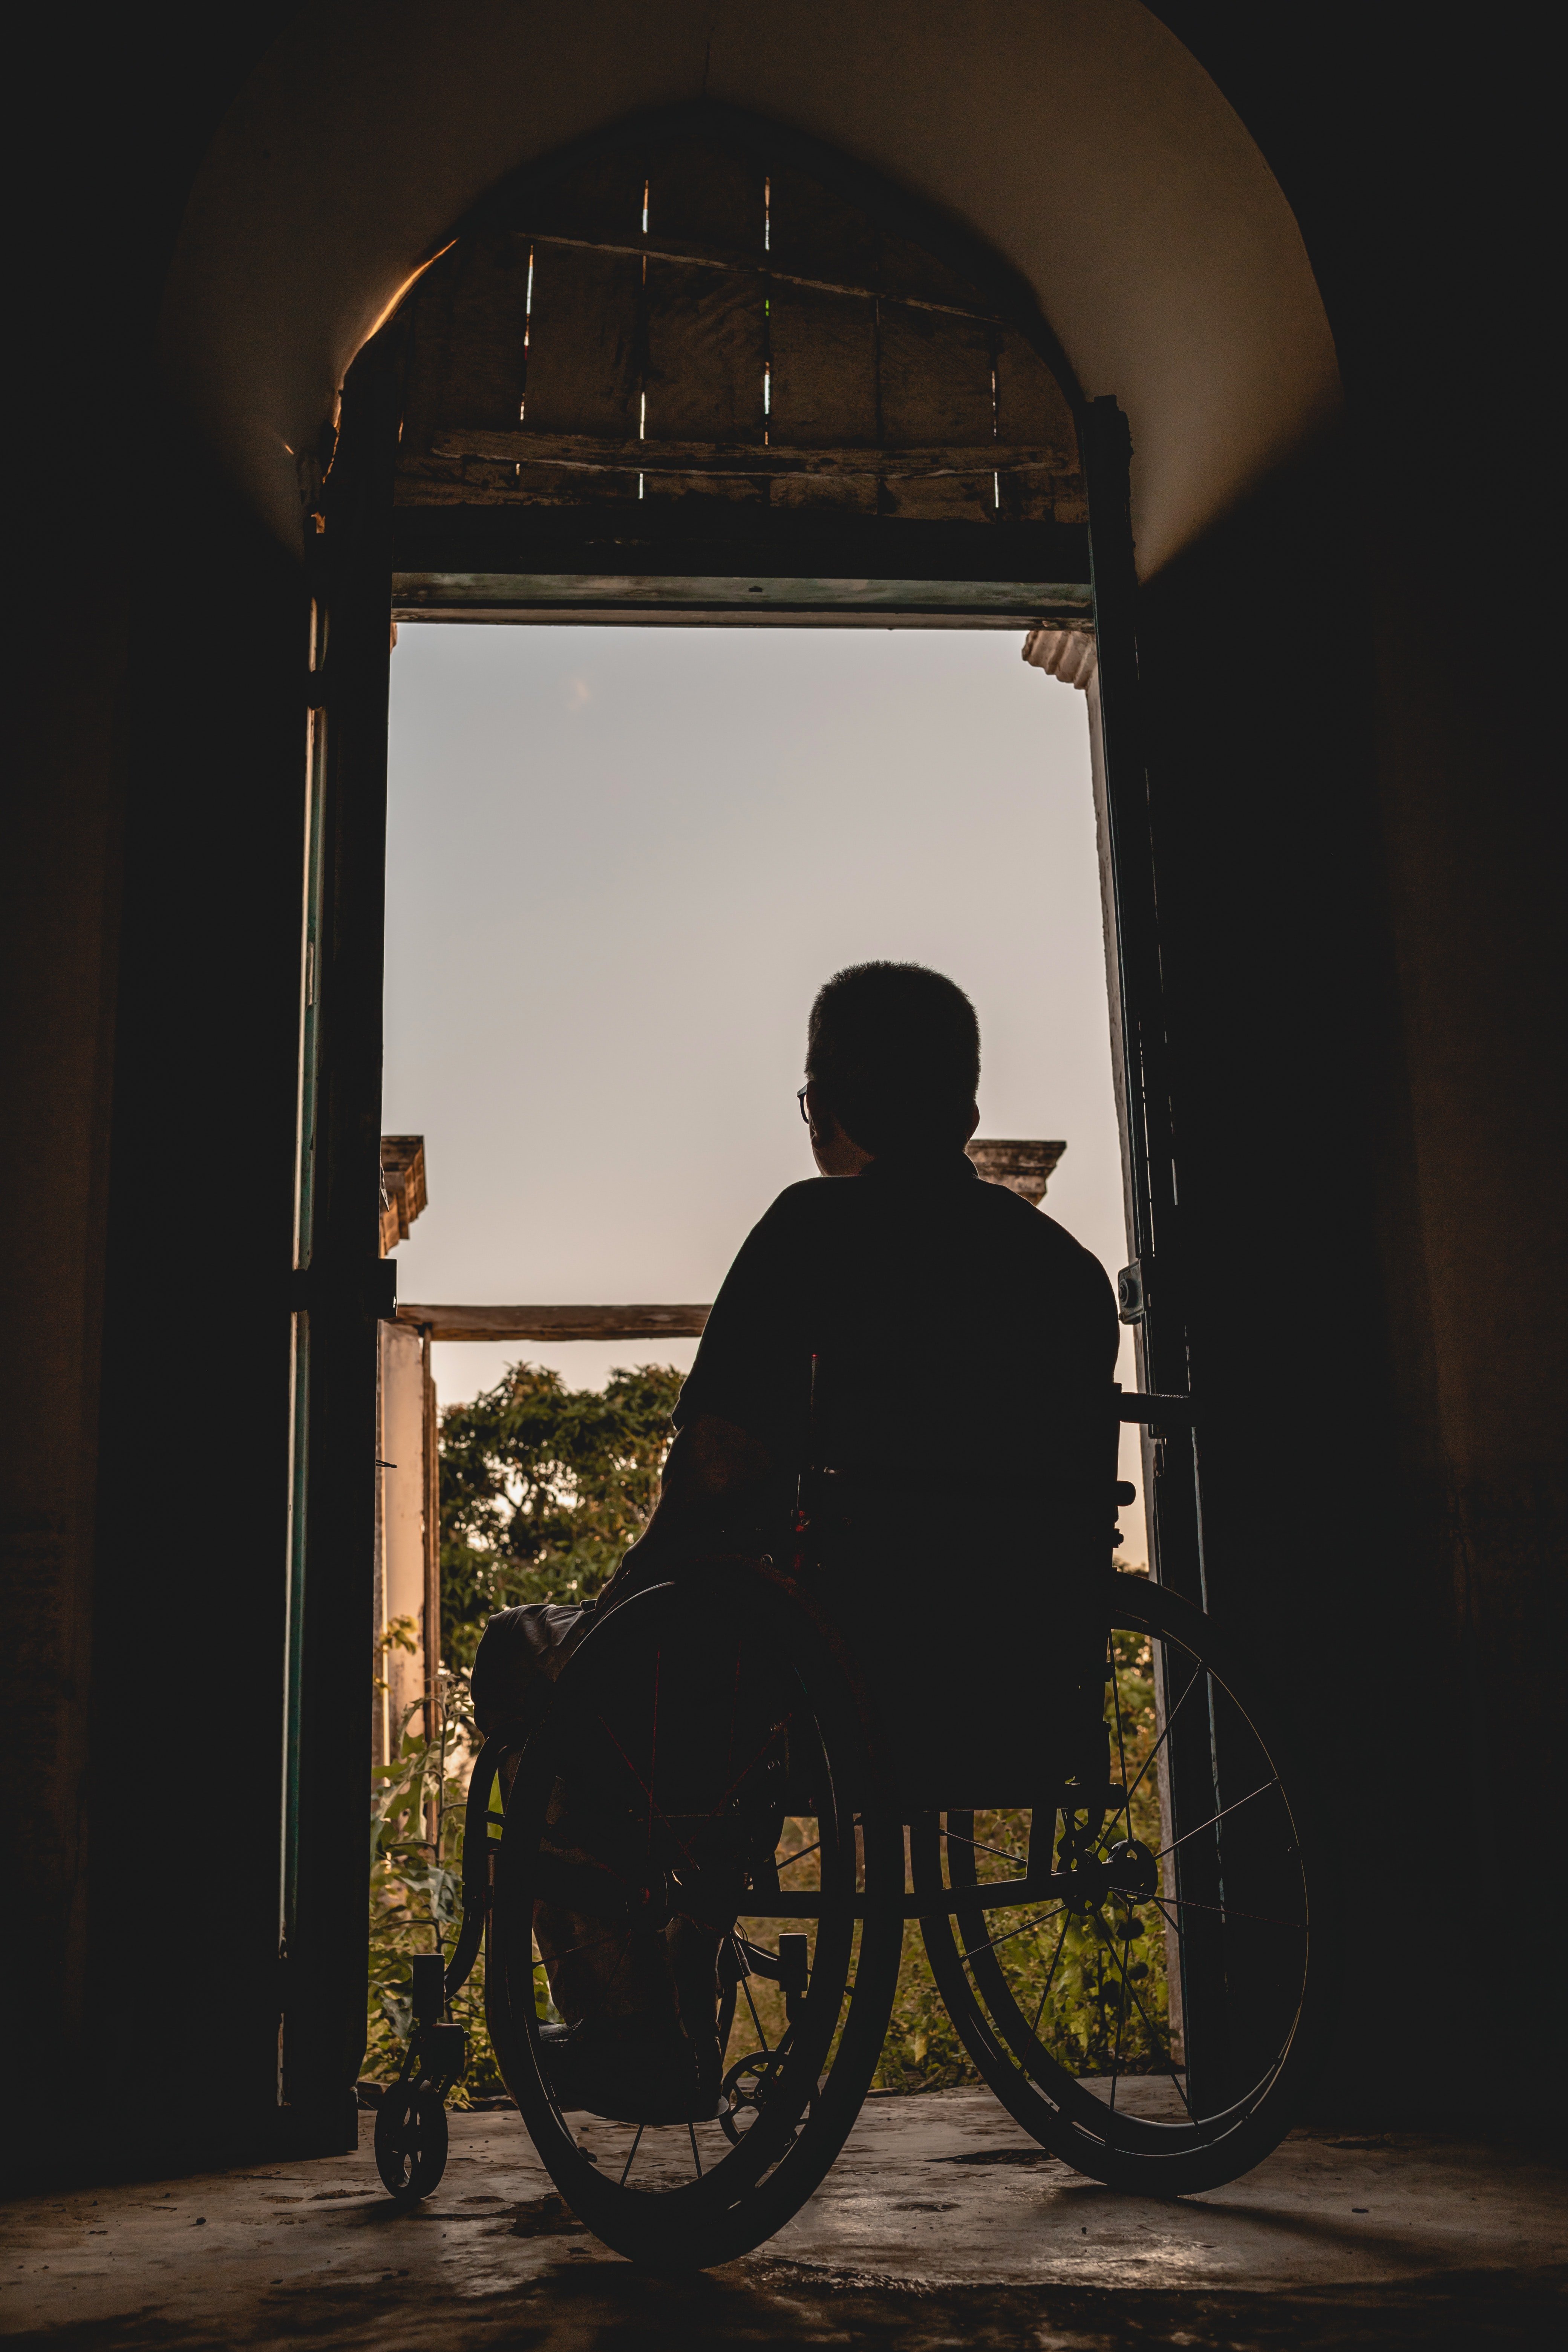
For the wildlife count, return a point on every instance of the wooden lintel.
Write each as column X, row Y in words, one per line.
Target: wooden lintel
column 581, row 454
column 1011, row 604
column 557, row 1322
column 639, row 540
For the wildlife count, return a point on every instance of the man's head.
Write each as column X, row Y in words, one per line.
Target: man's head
column 892, row 1055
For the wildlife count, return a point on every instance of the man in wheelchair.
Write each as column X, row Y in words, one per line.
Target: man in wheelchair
column 935, row 1355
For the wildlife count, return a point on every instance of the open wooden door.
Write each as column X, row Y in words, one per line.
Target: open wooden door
column 1150, row 1287
column 341, row 1285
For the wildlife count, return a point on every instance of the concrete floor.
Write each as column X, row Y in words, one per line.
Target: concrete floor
column 941, row 2225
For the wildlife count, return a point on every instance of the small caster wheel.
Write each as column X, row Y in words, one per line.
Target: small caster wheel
column 410, row 2141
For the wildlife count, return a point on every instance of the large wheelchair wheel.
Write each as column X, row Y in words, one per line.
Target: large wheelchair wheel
column 703, row 1759
column 1131, row 1967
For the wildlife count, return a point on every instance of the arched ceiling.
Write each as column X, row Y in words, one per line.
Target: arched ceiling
column 1078, row 137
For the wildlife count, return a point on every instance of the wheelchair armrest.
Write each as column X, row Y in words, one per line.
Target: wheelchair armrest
column 1155, row 1412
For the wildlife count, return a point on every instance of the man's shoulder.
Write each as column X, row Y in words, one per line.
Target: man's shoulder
column 1041, row 1242
column 796, row 1214
column 1031, row 1227
column 820, row 1205
column 813, row 1197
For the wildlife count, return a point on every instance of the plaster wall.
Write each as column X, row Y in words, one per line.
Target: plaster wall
column 400, row 1520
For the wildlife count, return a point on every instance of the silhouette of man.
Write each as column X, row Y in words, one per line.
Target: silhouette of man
column 964, row 1341
column 946, row 1349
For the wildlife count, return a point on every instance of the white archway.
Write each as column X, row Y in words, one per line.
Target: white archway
column 1084, row 144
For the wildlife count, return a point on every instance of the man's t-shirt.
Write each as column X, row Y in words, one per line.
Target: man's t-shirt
column 964, row 1346
column 961, row 1339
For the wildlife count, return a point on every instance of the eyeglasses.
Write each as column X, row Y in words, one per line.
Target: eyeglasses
column 801, row 1093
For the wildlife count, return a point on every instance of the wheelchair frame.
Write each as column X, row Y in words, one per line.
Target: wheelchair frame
column 1232, row 1971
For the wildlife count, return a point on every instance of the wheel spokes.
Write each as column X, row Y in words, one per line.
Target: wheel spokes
column 996, row 1942
column 1197, row 1830
column 1152, row 2032
column 955, row 1837
column 1224, row 1911
column 1149, row 1761
column 1050, row 1976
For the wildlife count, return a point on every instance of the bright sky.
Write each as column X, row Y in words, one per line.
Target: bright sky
column 621, row 861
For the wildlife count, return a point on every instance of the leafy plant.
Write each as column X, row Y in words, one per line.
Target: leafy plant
column 542, row 1489
column 416, row 1827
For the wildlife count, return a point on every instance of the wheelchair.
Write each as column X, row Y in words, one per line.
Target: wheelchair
column 1123, row 1947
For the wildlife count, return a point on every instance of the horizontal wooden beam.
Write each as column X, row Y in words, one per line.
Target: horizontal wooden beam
column 557, row 1322
column 1008, row 603
column 722, row 540
column 579, row 453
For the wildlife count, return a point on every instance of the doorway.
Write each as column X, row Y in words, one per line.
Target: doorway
column 698, row 373
column 620, row 862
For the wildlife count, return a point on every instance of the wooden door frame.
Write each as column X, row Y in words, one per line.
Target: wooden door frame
column 345, row 1287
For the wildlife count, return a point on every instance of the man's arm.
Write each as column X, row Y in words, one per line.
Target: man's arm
column 711, row 1462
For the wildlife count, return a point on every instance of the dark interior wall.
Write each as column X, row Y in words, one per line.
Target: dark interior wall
column 1356, row 795
column 1294, row 1146
column 151, row 932
column 1379, row 813
column 188, row 1624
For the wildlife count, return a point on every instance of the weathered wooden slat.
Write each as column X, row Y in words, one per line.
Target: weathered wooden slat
column 823, row 353
column 599, row 199
column 940, row 497
column 599, row 536
column 425, row 328
column 706, row 256
column 1039, row 497
column 706, row 343
column 583, row 358
column 554, row 486
column 936, row 379
column 1031, row 406
column 906, row 273
column 710, row 600
column 816, row 235
column 835, row 493
column 701, row 195
column 710, row 490
column 668, row 275
column 483, row 380
column 591, row 454
column 974, row 497
column 557, row 1322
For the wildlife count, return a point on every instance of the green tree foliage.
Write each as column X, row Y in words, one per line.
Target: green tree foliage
column 542, row 1489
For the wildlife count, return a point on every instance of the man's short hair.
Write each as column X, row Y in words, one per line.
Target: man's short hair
column 894, row 1050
